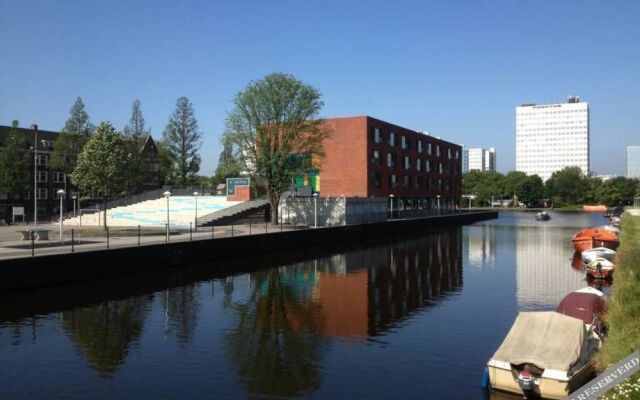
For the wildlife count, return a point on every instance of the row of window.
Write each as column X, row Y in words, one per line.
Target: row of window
column 43, row 177
column 409, row 182
column 391, row 162
column 405, row 143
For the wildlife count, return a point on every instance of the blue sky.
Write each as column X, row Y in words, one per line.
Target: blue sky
column 455, row 68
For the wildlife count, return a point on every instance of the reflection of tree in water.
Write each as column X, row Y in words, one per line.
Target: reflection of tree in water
column 104, row 332
column 276, row 345
column 181, row 311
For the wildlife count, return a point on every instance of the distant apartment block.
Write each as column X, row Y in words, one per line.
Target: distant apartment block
column 633, row 161
column 477, row 158
column 551, row 137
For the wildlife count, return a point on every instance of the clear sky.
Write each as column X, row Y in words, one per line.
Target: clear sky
column 455, row 68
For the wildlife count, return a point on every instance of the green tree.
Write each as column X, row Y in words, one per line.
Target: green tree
column 72, row 139
column 531, row 190
column 512, row 184
column 228, row 165
column 168, row 173
column 484, row 185
column 614, row 191
column 273, row 128
column 14, row 161
column 103, row 165
column 135, row 129
column 184, row 140
column 567, row 186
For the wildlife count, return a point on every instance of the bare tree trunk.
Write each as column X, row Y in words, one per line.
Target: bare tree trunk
column 104, row 206
column 274, row 201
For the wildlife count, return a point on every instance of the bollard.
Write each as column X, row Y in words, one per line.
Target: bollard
column 72, row 241
column 107, row 237
column 33, row 244
column 138, row 235
column 190, row 232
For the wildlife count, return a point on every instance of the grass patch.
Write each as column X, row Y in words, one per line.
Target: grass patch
column 623, row 315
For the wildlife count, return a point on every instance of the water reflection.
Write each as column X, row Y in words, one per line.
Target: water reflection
column 181, row 311
column 104, row 333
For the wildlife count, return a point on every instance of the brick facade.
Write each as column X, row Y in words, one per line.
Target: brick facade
column 367, row 157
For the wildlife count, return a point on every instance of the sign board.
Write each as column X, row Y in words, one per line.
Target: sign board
column 233, row 182
column 18, row 211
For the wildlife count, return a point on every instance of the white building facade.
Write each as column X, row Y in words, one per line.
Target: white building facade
column 479, row 159
column 551, row 137
column 633, row 161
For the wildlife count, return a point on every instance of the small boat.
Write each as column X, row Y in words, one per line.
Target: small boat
column 587, row 304
column 600, row 268
column 596, row 208
column 594, row 237
column 543, row 216
column 545, row 354
column 576, row 261
column 614, row 221
column 597, row 252
column 607, row 215
column 610, row 228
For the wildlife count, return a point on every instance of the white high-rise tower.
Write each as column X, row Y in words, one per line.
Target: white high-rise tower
column 551, row 137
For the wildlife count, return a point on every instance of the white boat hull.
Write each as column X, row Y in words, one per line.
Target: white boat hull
column 590, row 255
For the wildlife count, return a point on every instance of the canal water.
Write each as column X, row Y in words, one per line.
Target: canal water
column 416, row 318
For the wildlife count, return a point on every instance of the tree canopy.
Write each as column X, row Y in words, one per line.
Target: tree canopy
column 273, row 127
column 14, row 161
column 72, row 139
column 135, row 129
column 183, row 140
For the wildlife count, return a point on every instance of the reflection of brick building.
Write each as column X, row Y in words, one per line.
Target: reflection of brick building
column 367, row 157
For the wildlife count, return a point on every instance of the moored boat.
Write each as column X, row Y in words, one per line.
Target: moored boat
column 598, row 252
column 576, row 261
column 596, row 208
column 600, row 268
column 545, row 354
column 587, row 304
column 594, row 237
column 543, row 216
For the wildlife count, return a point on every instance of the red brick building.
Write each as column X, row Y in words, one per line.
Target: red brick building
column 367, row 157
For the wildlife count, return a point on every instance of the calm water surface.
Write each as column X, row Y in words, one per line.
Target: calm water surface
column 416, row 318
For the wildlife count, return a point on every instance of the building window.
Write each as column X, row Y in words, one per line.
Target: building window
column 375, row 157
column 429, row 148
column 393, row 181
column 440, row 168
column 392, row 139
column 407, row 162
column 42, row 160
column 428, row 166
column 42, row 177
column 405, row 182
column 457, row 154
column 449, row 154
column 406, row 142
column 418, row 164
column 438, row 150
column 377, row 135
column 376, row 179
column 391, row 160
column 47, row 144
column 418, row 182
column 419, row 146
column 58, row 177
column 42, row 194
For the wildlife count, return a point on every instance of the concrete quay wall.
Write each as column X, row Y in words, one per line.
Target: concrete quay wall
column 57, row 269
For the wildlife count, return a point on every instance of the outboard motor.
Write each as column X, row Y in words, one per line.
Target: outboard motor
column 525, row 381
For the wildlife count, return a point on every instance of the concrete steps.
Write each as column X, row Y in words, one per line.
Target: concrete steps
column 233, row 213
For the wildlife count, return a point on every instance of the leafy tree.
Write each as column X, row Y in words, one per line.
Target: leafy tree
column 72, row 139
column 228, row 165
column 567, row 186
column 512, row 183
column 103, row 165
column 483, row 184
column 135, row 129
column 614, row 191
column 183, row 140
column 168, row 173
column 274, row 122
column 531, row 190
column 14, row 161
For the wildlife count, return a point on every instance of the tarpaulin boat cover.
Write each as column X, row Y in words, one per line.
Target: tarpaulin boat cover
column 585, row 306
column 546, row 339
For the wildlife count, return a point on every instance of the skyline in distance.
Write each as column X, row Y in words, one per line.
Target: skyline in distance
column 457, row 70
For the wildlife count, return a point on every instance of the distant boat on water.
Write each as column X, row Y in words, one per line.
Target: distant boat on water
column 543, row 216
column 596, row 208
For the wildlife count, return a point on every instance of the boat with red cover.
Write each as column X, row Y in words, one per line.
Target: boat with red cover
column 587, row 304
column 594, row 237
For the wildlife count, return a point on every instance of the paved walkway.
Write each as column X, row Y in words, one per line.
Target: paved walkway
column 11, row 246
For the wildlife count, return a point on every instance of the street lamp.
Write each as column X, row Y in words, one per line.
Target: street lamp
column 491, row 201
column 438, row 196
column 35, row 174
column 195, row 224
column 167, row 194
column 74, row 198
column 315, row 210
column 61, row 194
column 391, row 198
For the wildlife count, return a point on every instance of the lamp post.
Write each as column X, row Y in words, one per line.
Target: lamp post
column 491, row 201
column 438, row 196
column 195, row 223
column 35, row 174
column 61, row 194
column 74, row 198
column 391, row 199
column 315, row 210
column 167, row 194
